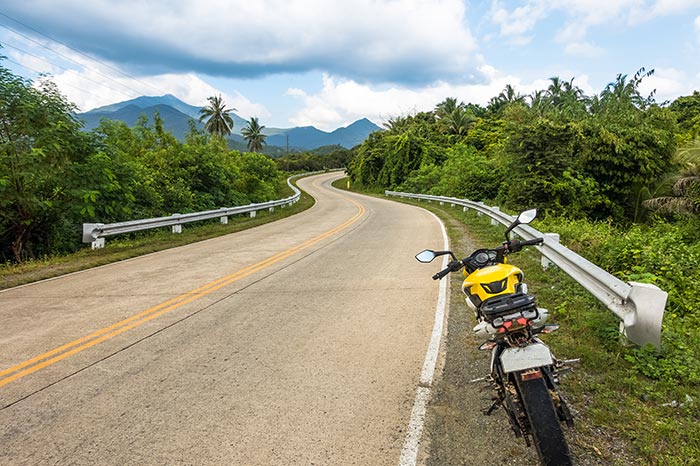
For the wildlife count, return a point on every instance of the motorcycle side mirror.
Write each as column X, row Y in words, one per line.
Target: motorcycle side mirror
column 527, row 216
column 524, row 218
column 426, row 256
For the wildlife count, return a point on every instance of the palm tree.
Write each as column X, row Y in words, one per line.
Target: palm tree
column 539, row 102
column 217, row 115
column 623, row 93
column 685, row 192
column 253, row 134
column 459, row 122
column 447, row 107
column 508, row 96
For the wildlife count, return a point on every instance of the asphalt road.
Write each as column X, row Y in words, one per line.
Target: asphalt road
column 297, row 342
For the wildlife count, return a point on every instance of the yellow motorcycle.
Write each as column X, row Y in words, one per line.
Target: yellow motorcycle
column 524, row 373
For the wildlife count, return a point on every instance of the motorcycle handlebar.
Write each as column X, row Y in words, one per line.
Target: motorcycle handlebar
column 451, row 267
column 532, row 242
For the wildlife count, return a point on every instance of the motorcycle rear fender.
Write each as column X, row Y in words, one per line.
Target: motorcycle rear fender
column 529, row 357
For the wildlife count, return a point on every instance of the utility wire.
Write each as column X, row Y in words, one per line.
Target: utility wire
column 61, row 67
column 69, row 59
column 65, row 84
column 77, row 51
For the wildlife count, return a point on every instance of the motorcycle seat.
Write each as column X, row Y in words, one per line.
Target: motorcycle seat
column 500, row 306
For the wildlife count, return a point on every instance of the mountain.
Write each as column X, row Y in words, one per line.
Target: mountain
column 308, row 137
column 176, row 115
column 147, row 105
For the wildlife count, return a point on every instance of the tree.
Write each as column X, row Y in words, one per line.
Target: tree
column 218, row 120
column 39, row 142
column 508, row 96
column 685, row 193
column 254, row 135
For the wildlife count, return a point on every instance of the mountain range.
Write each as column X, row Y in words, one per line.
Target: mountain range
column 176, row 115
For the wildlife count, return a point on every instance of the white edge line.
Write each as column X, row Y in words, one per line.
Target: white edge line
column 409, row 452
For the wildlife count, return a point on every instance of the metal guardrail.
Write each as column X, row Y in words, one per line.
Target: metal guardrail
column 639, row 306
column 95, row 233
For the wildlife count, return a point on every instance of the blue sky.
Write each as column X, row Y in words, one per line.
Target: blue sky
column 328, row 63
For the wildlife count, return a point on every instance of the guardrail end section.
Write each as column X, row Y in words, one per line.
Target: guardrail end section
column 644, row 324
column 91, row 231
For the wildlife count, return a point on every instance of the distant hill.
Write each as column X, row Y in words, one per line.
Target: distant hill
column 176, row 114
column 308, row 137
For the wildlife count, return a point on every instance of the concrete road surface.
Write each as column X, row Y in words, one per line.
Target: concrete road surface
column 299, row 342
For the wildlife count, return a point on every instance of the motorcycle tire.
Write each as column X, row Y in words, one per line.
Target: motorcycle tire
column 547, row 434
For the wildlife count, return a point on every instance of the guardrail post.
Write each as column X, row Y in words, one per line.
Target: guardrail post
column 223, row 218
column 271, row 209
column 252, row 214
column 465, row 208
column 493, row 220
column 176, row 228
column 549, row 238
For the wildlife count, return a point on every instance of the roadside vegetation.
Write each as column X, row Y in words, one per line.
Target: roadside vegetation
column 54, row 177
column 616, row 175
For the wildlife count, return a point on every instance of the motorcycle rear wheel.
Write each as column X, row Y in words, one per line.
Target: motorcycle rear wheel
column 547, row 434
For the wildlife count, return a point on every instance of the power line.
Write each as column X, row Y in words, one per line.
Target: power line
column 69, row 59
column 65, row 84
column 61, row 67
column 77, row 51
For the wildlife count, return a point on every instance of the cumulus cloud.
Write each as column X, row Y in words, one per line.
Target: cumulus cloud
column 342, row 101
column 368, row 40
column 518, row 23
column 667, row 84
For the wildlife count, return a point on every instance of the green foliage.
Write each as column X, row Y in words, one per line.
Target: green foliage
column 218, row 121
column 387, row 158
column 545, row 168
column 664, row 254
column 38, row 140
column 469, row 174
column 54, row 177
column 254, row 136
column 338, row 157
column 687, row 111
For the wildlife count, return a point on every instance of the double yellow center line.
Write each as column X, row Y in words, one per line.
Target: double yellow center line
column 76, row 346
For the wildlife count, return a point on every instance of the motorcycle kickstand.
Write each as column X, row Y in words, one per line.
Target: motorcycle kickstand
column 493, row 407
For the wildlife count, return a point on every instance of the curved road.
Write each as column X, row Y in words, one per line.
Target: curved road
column 297, row 342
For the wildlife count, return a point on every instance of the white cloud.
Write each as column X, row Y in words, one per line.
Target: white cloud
column 697, row 28
column 669, row 84
column 521, row 21
column 342, row 101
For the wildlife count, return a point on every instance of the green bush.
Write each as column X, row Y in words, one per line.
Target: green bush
column 664, row 254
